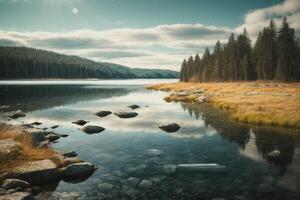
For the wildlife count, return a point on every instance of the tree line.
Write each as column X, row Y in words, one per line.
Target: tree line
column 30, row 63
column 274, row 56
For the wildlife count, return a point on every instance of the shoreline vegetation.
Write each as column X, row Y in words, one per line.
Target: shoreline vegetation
column 258, row 102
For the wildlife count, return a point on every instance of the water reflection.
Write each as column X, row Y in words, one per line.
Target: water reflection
column 255, row 142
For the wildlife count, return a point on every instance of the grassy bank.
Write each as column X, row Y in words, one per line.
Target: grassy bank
column 262, row 103
column 24, row 150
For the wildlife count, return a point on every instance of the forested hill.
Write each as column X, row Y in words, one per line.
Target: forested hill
column 275, row 55
column 29, row 63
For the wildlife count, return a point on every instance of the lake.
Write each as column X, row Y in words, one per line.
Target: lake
column 131, row 151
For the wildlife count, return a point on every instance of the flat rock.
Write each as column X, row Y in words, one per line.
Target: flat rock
column 54, row 127
column 170, row 128
column 14, row 183
column 103, row 113
column 36, row 123
column 126, row 114
column 70, row 154
column 17, row 196
column 134, row 106
column 92, row 129
column 39, row 172
column 9, row 149
column 80, row 122
column 77, row 172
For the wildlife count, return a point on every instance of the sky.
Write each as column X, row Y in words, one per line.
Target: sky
column 136, row 33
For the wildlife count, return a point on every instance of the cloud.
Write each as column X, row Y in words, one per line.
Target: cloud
column 255, row 20
column 162, row 46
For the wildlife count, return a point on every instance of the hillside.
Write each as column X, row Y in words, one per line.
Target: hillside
column 28, row 63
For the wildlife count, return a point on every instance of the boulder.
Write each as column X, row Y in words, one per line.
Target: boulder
column 274, row 154
column 103, row 113
column 17, row 114
column 126, row 114
column 77, row 172
column 145, row 184
column 37, row 135
column 70, row 154
column 14, row 183
column 80, row 122
column 36, row 123
column 39, row 172
column 52, row 137
column 202, row 99
column 92, row 129
column 54, row 127
column 134, row 106
column 170, row 128
column 9, row 149
column 17, row 196
column 63, row 135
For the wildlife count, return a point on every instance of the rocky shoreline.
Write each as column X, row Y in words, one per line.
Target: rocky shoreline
column 25, row 176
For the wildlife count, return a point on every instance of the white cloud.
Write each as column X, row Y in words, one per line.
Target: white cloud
column 162, row 46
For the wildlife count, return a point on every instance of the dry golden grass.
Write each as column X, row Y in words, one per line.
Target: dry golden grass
column 28, row 151
column 262, row 103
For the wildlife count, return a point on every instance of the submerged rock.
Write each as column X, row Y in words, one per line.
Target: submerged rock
column 274, row 154
column 63, row 135
column 77, row 172
column 154, row 152
column 133, row 107
column 145, row 184
column 170, row 128
column 92, row 129
column 105, row 187
column 17, row 196
column 103, row 113
column 14, row 183
column 80, row 122
column 126, row 114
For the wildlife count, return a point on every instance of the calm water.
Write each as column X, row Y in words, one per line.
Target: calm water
column 124, row 149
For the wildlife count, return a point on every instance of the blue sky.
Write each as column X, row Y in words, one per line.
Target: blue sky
column 137, row 33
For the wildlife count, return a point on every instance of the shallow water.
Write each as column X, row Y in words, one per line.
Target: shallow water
column 125, row 148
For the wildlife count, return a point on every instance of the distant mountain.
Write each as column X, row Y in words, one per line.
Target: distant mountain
column 29, row 63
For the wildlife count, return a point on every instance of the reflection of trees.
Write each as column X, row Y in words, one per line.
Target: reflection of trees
column 266, row 139
column 234, row 132
column 32, row 97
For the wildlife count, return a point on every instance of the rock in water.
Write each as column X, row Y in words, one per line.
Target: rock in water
column 36, row 123
column 145, row 184
column 54, row 127
column 14, row 183
column 39, row 172
column 274, row 154
column 17, row 114
column 133, row 107
column 80, row 122
column 92, row 129
column 126, row 114
column 210, row 167
column 170, row 128
column 70, row 154
column 77, row 172
column 154, row 152
column 52, row 137
column 103, row 113
column 17, row 196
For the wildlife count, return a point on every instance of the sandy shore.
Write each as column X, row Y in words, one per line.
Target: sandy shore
column 261, row 103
